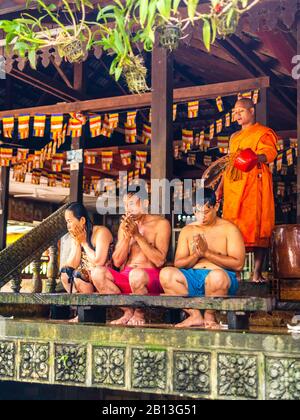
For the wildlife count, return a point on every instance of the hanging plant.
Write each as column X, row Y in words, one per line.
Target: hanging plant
column 28, row 34
column 169, row 36
column 135, row 74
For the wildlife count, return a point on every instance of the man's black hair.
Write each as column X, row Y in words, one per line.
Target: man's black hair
column 205, row 196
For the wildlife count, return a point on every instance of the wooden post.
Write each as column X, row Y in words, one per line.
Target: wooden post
column 4, row 194
column 162, row 114
column 37, row 285
column 52, row 271
column 298, row 123
column 262, row 108
column 76, row 179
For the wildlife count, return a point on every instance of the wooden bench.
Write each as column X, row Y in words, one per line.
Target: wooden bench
column 92, row 308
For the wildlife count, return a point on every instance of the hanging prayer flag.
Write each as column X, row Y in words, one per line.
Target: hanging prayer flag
column 5, row 156
column 52, row 178
column 289, row 156
column 227, row 120
column 106, row 160
column 130, row 133
column 125, row 157
column 279, row 162
column 23, row 127
column 280, row 144
column 187, row 140
column 223, row 144
column 140, row 162
column 245, row 95
column 131, row 117
column 19, row 172
column 56, row 126
column 62, row 136
column 150, row 116
column 8, row 127
column 66, row 181
column 57, row 162
column 255, row 96
column 90, row 157
column 113, row 120
column 36, row 177
column 271, row 167
column 29, row 162
column 95, row 125
column 220, row 105
column 22, row 154
column 74, row 128
column 136, row 174
column 39, row 124
column 130, row 177
column 174, row 112
column 219, row 125
column 191, row 159
column 281, row 189
column 95, row 183
column 207, row 160
column 193, row 109
column 233, row 116
column 284, row 170
column 211, row 131
column 197, row 140
column 147, row 134
column 201, row 140
column 206, row 144
column 37, row 161
column 107, row 130
column 293, row 143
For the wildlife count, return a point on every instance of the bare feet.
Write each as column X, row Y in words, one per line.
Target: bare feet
column 210, row 321
column 191, row 321
column 258, row 278
column 138, row 318
column 124, row 319
column 74, row 320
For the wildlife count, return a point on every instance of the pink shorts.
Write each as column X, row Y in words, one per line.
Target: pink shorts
column 122, row 280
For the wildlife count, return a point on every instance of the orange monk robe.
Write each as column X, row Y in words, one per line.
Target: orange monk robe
column 249, row 202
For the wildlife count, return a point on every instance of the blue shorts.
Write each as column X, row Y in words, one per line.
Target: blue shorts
column 196, row 281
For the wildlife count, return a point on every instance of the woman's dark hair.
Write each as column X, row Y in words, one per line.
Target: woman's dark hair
column 80, row 211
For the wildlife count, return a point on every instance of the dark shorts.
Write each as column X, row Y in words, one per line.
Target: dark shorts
column 196, row 281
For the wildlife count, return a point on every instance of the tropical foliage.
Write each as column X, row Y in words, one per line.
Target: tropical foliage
column 123, row 28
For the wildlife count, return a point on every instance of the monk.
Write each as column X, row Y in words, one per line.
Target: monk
column 247, row 183
column 209, row 253
column 141, row 252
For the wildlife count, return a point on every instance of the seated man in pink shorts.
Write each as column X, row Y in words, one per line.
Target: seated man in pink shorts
column 141, row 251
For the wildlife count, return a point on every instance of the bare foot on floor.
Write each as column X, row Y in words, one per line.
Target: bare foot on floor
column 210, row 321
column 74, row 320
column 195, row 321
column 137, row 319
column 123, row 320
column 259, row 280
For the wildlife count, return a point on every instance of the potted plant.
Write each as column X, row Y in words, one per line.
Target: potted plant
column 28, row 34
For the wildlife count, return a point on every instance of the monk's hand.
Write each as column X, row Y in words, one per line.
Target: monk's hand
column 124, row 226
column 80, row 234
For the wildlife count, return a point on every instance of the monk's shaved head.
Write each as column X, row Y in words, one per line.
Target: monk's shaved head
column 245, row 103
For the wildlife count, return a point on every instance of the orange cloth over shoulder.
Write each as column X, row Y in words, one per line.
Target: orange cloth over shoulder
column 249, row 202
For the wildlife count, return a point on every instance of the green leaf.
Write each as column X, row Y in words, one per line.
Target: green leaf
column 207, row 34
column 214, row 30
column 32, row 58
column 143, row 11
column 192, row 8
column 118, row 73
column 230, row 17
column 176, row 5
column 244, row 3
column 52, row 7
column 164, row 8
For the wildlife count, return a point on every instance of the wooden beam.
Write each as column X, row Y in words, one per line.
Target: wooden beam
column 42, row 82
column 127, row 102
column 298, row 124
column 257, row 67
column 262, row 108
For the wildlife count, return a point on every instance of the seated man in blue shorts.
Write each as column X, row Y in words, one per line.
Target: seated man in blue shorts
column 210, row 251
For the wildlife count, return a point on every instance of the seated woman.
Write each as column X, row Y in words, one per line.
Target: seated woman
column 89, row 253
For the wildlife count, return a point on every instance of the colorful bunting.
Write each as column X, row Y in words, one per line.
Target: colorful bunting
column 207, row 160
column 23, row 127
column 74, row 127
column 193, row 109
column 227, row 120
column 106, row 160
column 125, row 157
column 52, row 180
column 223, row 144
column 130, row 133
column 36, row 177
column 141, row 160
column 289, row 156
column 147, row 134
column 66, row 181
column 95, row 125
column 39, row 124
column 279, row 162
column 174, row 112
column 8, row 127
column 56, row 126
column 219, row 126
column 211, row 131
column 5, row 156
column 255, row 96
column 131, row 118
column 90, row 157
column 220, row 105
column 187, row 139
column 57, row 162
